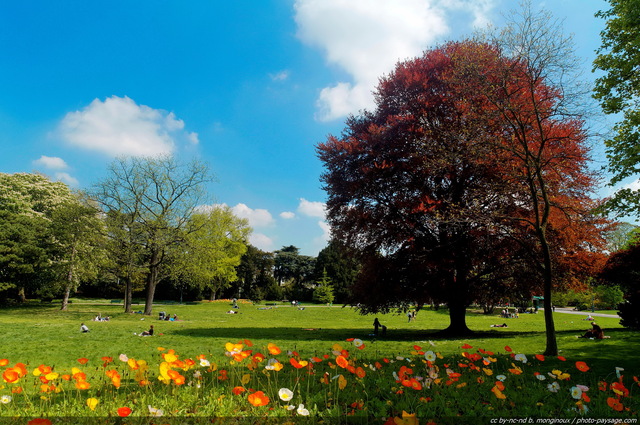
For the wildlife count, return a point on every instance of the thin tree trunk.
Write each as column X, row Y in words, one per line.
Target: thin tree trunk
column 65, row 298
column 152, row 281
column 552, row 343
column 128, row 295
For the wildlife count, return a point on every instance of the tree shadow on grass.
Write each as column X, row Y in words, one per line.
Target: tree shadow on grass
column 332, row 334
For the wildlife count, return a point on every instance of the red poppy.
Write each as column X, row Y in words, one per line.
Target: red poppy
column 466, row 347
column 562, row 359
column 582, row 366
column 238, row 390
column 615, row 404
column 507, row 348
column 360, row 373
column 39, row 421
column 83, row 360
column 540, row 357
column 123, row 412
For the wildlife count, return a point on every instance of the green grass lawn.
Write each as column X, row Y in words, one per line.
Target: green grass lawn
column 462, row 387
column 39, row 333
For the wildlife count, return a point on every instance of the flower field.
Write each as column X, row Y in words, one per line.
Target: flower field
column 344, row 385
column 355, row 380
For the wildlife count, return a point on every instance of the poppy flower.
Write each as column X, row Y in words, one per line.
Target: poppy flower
column 4, row 362
column 342, row 382
column 285, row 394
column 155, row 412
column 342, row 362
column 360, row 373
column 82, row 385
column 498, row 393
column 508, row 349
column 466, row 347
column 302, row 411
column 6, row 399
column 562, row 359
column 83, row 360
column 10, row 376
column 92, row 403
column 619, row 389
column 430, row 356
column 554, row 387
column 576, row 393
column 39, row 421
column 258, row 399
column 615, row 404
column 540, row 357
column 582, row 366
column 238, row 390
column 123, row 412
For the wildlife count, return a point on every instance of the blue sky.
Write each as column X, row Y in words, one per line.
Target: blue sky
column 248, row 86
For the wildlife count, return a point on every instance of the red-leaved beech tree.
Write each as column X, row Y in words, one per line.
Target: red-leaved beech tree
column 433, row 191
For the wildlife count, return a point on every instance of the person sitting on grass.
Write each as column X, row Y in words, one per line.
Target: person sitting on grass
column 83, row 328
column 504, row 325
column 595, row 332
column 148, row 333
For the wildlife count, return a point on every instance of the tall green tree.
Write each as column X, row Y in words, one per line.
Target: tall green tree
column 27, row 202
column 255, row 273
column 159, row 194
column 211, row 252
column 340, row 266
column 618, row 91
column 78, row 245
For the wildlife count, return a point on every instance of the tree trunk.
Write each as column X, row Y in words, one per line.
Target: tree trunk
column 22, row 296
column 552, row 344
column 457, row 318
column 65, row 298
column 152, row 281
column 212, row 295
column 128, row 295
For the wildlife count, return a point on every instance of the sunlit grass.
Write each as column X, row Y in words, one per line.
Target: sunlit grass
column 41, row 334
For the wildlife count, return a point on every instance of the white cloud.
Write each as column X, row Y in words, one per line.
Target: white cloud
column 366, row 38
column 634, row 185
column 51, row 162
column 66, row 178
column 287, row 215
column 261, row 241
column 280, row 76
column 119, row 126
column 257, row 217
column 311, row 209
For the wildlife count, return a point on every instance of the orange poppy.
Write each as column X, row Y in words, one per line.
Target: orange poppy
column 10, row 376
column 274, row 350
column 238, row 390
column 582, row 366
column 83, row 360
column 82, row 385
column 258, row 399
column 615, row 404
column 562, row 359
column 540, row 357
column 4, row 362
column 360, row 373
column 16, row 390
column 342, row 362
column 123, row 412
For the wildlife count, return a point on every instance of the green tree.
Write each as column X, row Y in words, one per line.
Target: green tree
column 213, row 250
column 77, row 246
column 618, row 91
column 159, row 195
column 255, row 273
column 340, row 266
column 23, row 253
column 323, row 293
column 294, row 270
column 28, row 202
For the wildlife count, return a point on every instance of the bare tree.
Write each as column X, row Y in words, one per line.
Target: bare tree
column 158, row 195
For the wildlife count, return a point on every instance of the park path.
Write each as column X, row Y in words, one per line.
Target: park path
column 569, row 310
